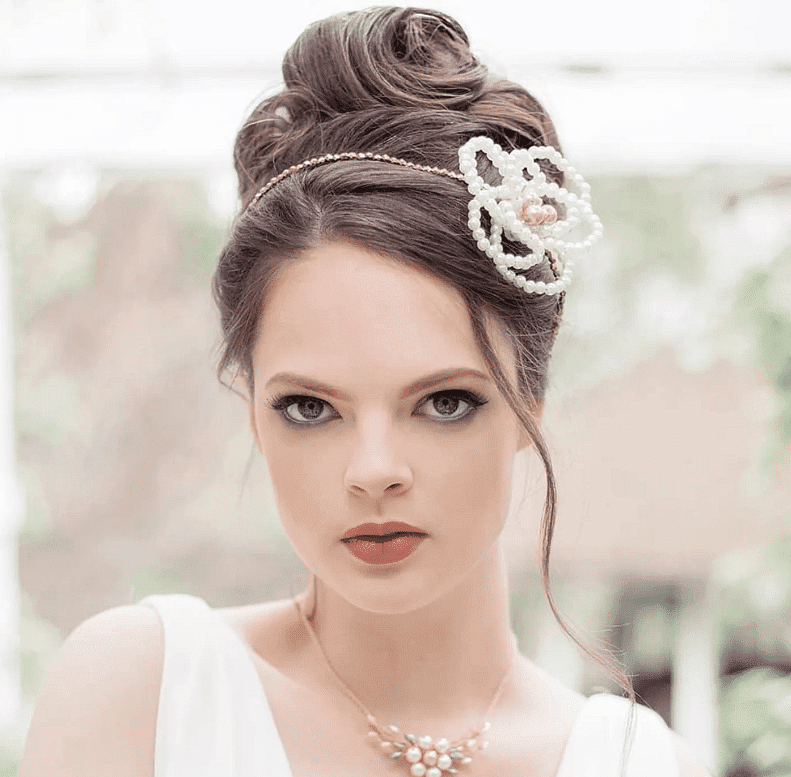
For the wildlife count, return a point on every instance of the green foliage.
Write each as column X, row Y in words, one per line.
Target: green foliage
column 755, row 587
column 647, row 219
column 201, row 237
column 153, row 579
column 9, row 760
column 754, row 614
column 48, row 262
column 49, row 409
column 38, row 521
column 629, row 296
column 39, row 641
column 764, row 308
column 756, row 722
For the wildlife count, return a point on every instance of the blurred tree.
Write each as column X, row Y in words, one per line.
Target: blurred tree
column 755, row 584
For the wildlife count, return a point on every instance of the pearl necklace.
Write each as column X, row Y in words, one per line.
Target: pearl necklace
column 423, row 756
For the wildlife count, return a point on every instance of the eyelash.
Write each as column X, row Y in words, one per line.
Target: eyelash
column 284, row 401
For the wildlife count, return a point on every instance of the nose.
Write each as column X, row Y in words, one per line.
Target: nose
column 376, row 467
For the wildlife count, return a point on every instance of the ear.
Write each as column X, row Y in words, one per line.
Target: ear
column 253, row 428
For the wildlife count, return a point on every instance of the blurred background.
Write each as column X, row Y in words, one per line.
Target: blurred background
column 126, row 469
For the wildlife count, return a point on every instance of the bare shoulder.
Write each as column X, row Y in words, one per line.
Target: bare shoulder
column 96, row 712
column 689, row 765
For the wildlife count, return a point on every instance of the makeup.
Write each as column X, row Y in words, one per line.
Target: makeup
column 387, row 549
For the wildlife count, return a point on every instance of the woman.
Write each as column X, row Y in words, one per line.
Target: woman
column 388, row 312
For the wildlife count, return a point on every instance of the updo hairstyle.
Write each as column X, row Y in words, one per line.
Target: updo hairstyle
column 401, row 82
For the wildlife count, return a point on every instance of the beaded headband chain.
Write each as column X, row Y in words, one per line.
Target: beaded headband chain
column 516, row 207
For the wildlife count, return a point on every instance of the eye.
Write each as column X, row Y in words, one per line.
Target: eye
column 452, row 405
column 304, row 410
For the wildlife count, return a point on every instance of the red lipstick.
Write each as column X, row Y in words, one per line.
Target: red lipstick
column 384, row 543
column 380, row 529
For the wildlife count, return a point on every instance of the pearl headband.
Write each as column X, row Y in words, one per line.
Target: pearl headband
column 515, row 206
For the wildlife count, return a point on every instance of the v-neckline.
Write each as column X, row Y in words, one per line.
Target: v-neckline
column 255, row 681
column 263, row 697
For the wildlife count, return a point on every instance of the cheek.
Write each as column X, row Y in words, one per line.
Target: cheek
column 303, row 470
column 462, row 477
column 478, row 472
column 473, row 476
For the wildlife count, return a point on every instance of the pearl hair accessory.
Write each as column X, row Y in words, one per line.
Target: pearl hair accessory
column 516, row 209
column 346, row 155
column 422, row 755
column 516, row 206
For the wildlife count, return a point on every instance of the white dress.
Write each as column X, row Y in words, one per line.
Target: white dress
column 214, row 718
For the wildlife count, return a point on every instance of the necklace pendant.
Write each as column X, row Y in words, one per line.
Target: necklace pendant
column 423, row 756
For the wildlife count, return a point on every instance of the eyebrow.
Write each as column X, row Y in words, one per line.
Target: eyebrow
column 413, row 388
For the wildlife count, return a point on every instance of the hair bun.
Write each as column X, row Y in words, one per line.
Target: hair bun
column 392, row 80
column 404, row 57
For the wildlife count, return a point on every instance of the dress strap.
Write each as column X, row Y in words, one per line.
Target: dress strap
column 214, row 717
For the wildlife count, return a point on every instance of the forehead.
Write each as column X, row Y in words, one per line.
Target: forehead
column 348, row 312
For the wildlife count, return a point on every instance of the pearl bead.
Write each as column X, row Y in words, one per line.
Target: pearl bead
column 425, row 742
column 417, row 770
column 442, row 745
column 444, row 761
column 521, row 188
column 550, row 214
column 430, row 758
column 532, row 214
column 433, row 772
column 413, row 755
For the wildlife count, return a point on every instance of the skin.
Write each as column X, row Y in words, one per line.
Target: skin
column 430, row 634
column 423, row 643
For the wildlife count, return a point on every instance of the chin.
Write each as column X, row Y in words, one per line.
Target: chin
column 394, row 589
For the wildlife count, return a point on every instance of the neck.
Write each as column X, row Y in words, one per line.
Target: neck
column 438, row 664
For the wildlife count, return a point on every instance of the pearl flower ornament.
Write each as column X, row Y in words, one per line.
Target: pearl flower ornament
column 422, row 755
column 517, row 209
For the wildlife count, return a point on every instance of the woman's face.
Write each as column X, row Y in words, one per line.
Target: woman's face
column 373, row 404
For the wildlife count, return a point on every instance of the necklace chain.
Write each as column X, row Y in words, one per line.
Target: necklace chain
column 425, row 756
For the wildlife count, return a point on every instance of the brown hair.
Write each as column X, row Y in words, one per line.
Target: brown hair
column 401, row 82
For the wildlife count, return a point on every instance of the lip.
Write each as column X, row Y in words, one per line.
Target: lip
column 388, row 550
column 380, row 529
